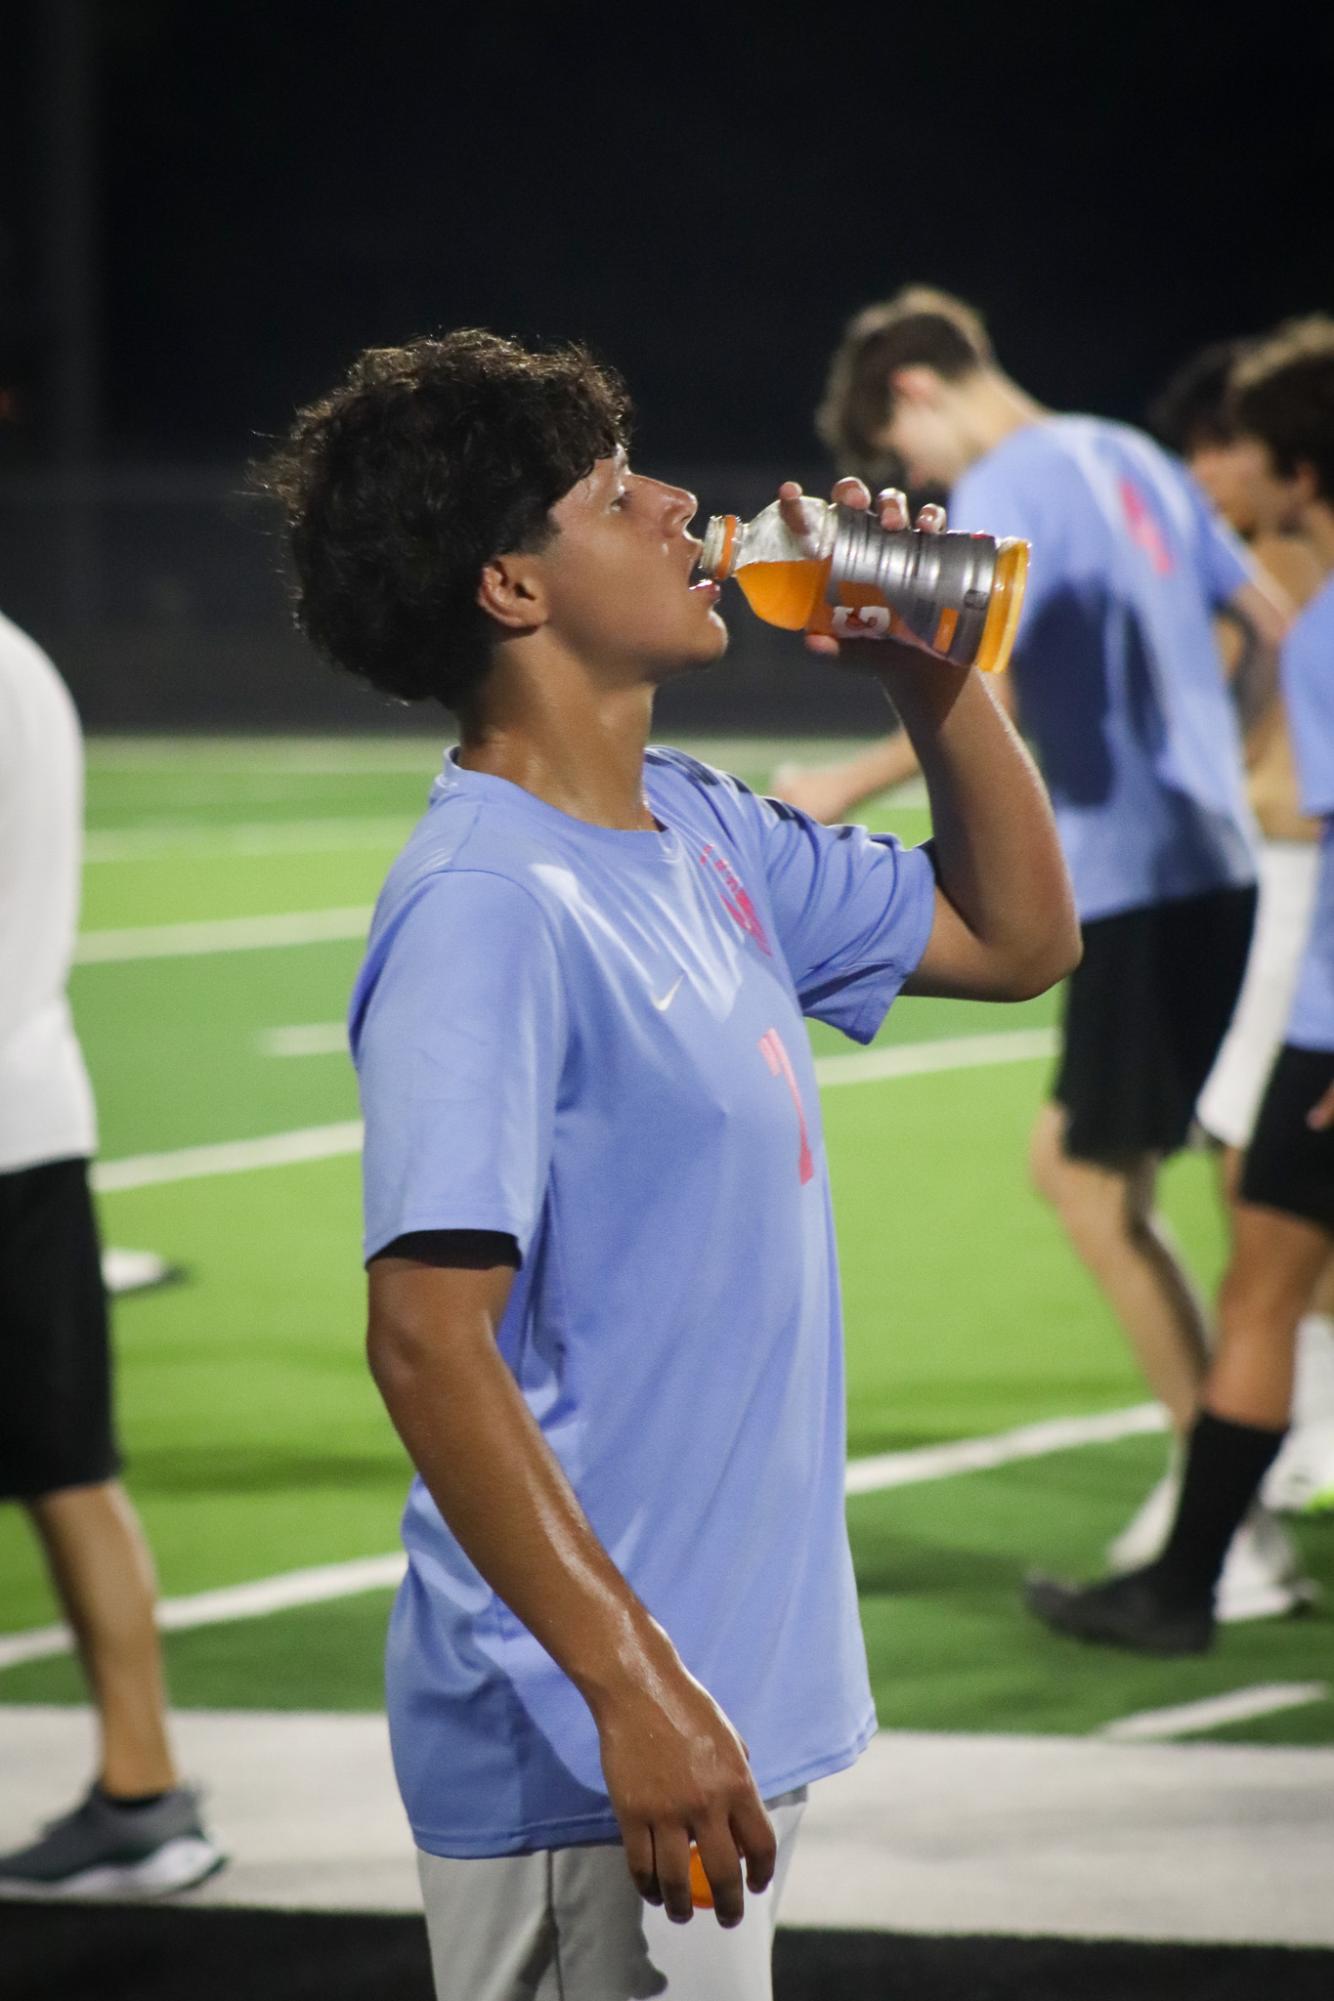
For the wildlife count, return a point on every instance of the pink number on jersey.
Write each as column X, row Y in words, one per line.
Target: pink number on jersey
column 780, row 1065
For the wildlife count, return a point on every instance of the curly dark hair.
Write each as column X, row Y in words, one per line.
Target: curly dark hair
column 1283, row 394
column 918, row 326
column 423, row 464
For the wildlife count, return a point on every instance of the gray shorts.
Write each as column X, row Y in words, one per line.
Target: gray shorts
column 567, row 1924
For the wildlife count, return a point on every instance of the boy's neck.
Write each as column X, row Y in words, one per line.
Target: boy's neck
column 576, row 747
column 991, row 408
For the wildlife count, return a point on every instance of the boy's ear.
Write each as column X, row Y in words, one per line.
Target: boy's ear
column 915, row 383
column 511, row 590
column 1306, row 482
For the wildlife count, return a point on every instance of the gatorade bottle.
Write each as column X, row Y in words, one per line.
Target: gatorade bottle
column 959, row 596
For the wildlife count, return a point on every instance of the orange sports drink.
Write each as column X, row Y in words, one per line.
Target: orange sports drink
column 957, row 596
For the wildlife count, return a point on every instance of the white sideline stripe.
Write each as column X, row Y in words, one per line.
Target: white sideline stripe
column 238, row 1601
column 252, row 837
column 1002, row 1448
column 918, row 1059
column 220, row 934
column 1190, row 1718
column 319, row 1038
column 862, row 1476
column 235, row 1156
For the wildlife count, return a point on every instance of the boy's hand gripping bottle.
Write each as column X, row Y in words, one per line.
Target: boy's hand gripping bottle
column 957, row 596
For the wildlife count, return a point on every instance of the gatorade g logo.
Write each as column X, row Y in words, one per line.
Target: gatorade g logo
column 861, row 621
column 736, row 898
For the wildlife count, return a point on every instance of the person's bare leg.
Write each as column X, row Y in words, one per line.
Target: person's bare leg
column 103, row 1572
column 1231, row 1161
column 1107, row 1213
column 1276, row 1262
column 1322, row 1300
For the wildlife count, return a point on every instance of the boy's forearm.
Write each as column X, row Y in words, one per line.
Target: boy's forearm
column 505, row 1498
column 998, row 859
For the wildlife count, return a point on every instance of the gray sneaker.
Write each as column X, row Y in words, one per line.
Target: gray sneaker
column 105, row 1850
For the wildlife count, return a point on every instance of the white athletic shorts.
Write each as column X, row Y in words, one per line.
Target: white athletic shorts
column 1231, row 1096
column 567, row 1924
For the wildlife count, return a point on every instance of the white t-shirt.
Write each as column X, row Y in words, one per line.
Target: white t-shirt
column 46, row 1101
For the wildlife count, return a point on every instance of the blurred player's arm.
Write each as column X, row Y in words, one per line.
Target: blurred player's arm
column 674, row 1766
column 1255, row 618
column 829, row 792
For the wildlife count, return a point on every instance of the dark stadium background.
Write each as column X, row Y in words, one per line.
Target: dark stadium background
column 206, row 209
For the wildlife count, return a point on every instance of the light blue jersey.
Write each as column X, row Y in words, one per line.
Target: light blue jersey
column 1308, row 691
column 593, row 1040
column 1120, row 685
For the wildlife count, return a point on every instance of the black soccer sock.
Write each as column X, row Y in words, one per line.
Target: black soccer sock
column 1225, row 1463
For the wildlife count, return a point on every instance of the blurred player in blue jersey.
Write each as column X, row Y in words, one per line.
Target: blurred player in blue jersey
column 1194, row 416
column 1284, row 1231
column 603, row 1302
column 1117, row 681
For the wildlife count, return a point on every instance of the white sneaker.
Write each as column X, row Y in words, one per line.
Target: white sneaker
column 1142, row 1539
column 135, row 1271
column 1262, row 1578
column 1313, row 1375
column 1301, row 1479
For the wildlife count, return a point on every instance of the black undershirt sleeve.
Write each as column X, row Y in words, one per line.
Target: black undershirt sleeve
column 465, row 1250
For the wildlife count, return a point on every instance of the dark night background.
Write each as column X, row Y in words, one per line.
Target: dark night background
column 701, row 194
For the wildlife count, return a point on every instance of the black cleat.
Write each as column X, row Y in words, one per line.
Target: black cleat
column 1136, row 1611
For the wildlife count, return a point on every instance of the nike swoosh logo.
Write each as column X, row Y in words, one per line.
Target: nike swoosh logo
column 665, row 1002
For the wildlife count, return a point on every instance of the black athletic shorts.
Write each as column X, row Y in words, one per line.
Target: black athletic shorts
column 1145, row 1012
column 56, row 1427
column 1288, row 1165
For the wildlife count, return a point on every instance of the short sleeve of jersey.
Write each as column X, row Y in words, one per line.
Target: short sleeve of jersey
column 993, row 499
column 1221, row 562
column 458, row 1031
column 1308, row 692
column 853, row 912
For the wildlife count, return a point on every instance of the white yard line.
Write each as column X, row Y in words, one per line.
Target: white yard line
column 329, row 1581
column 235, row 1156
column 166, row 838
column 1003, row 1448
column 318, row 1586
column 1191, row 1719
column 221, row 934
column 316, row 1038
column 918, row 1059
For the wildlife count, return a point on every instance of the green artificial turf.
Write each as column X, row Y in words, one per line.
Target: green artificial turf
column 255, row 1439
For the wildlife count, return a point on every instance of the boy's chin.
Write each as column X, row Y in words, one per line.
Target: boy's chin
column 704, row 653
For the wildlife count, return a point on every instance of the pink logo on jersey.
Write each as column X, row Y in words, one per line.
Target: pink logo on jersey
column 736, row 898
column 1144, row 530
column 780, row 1065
